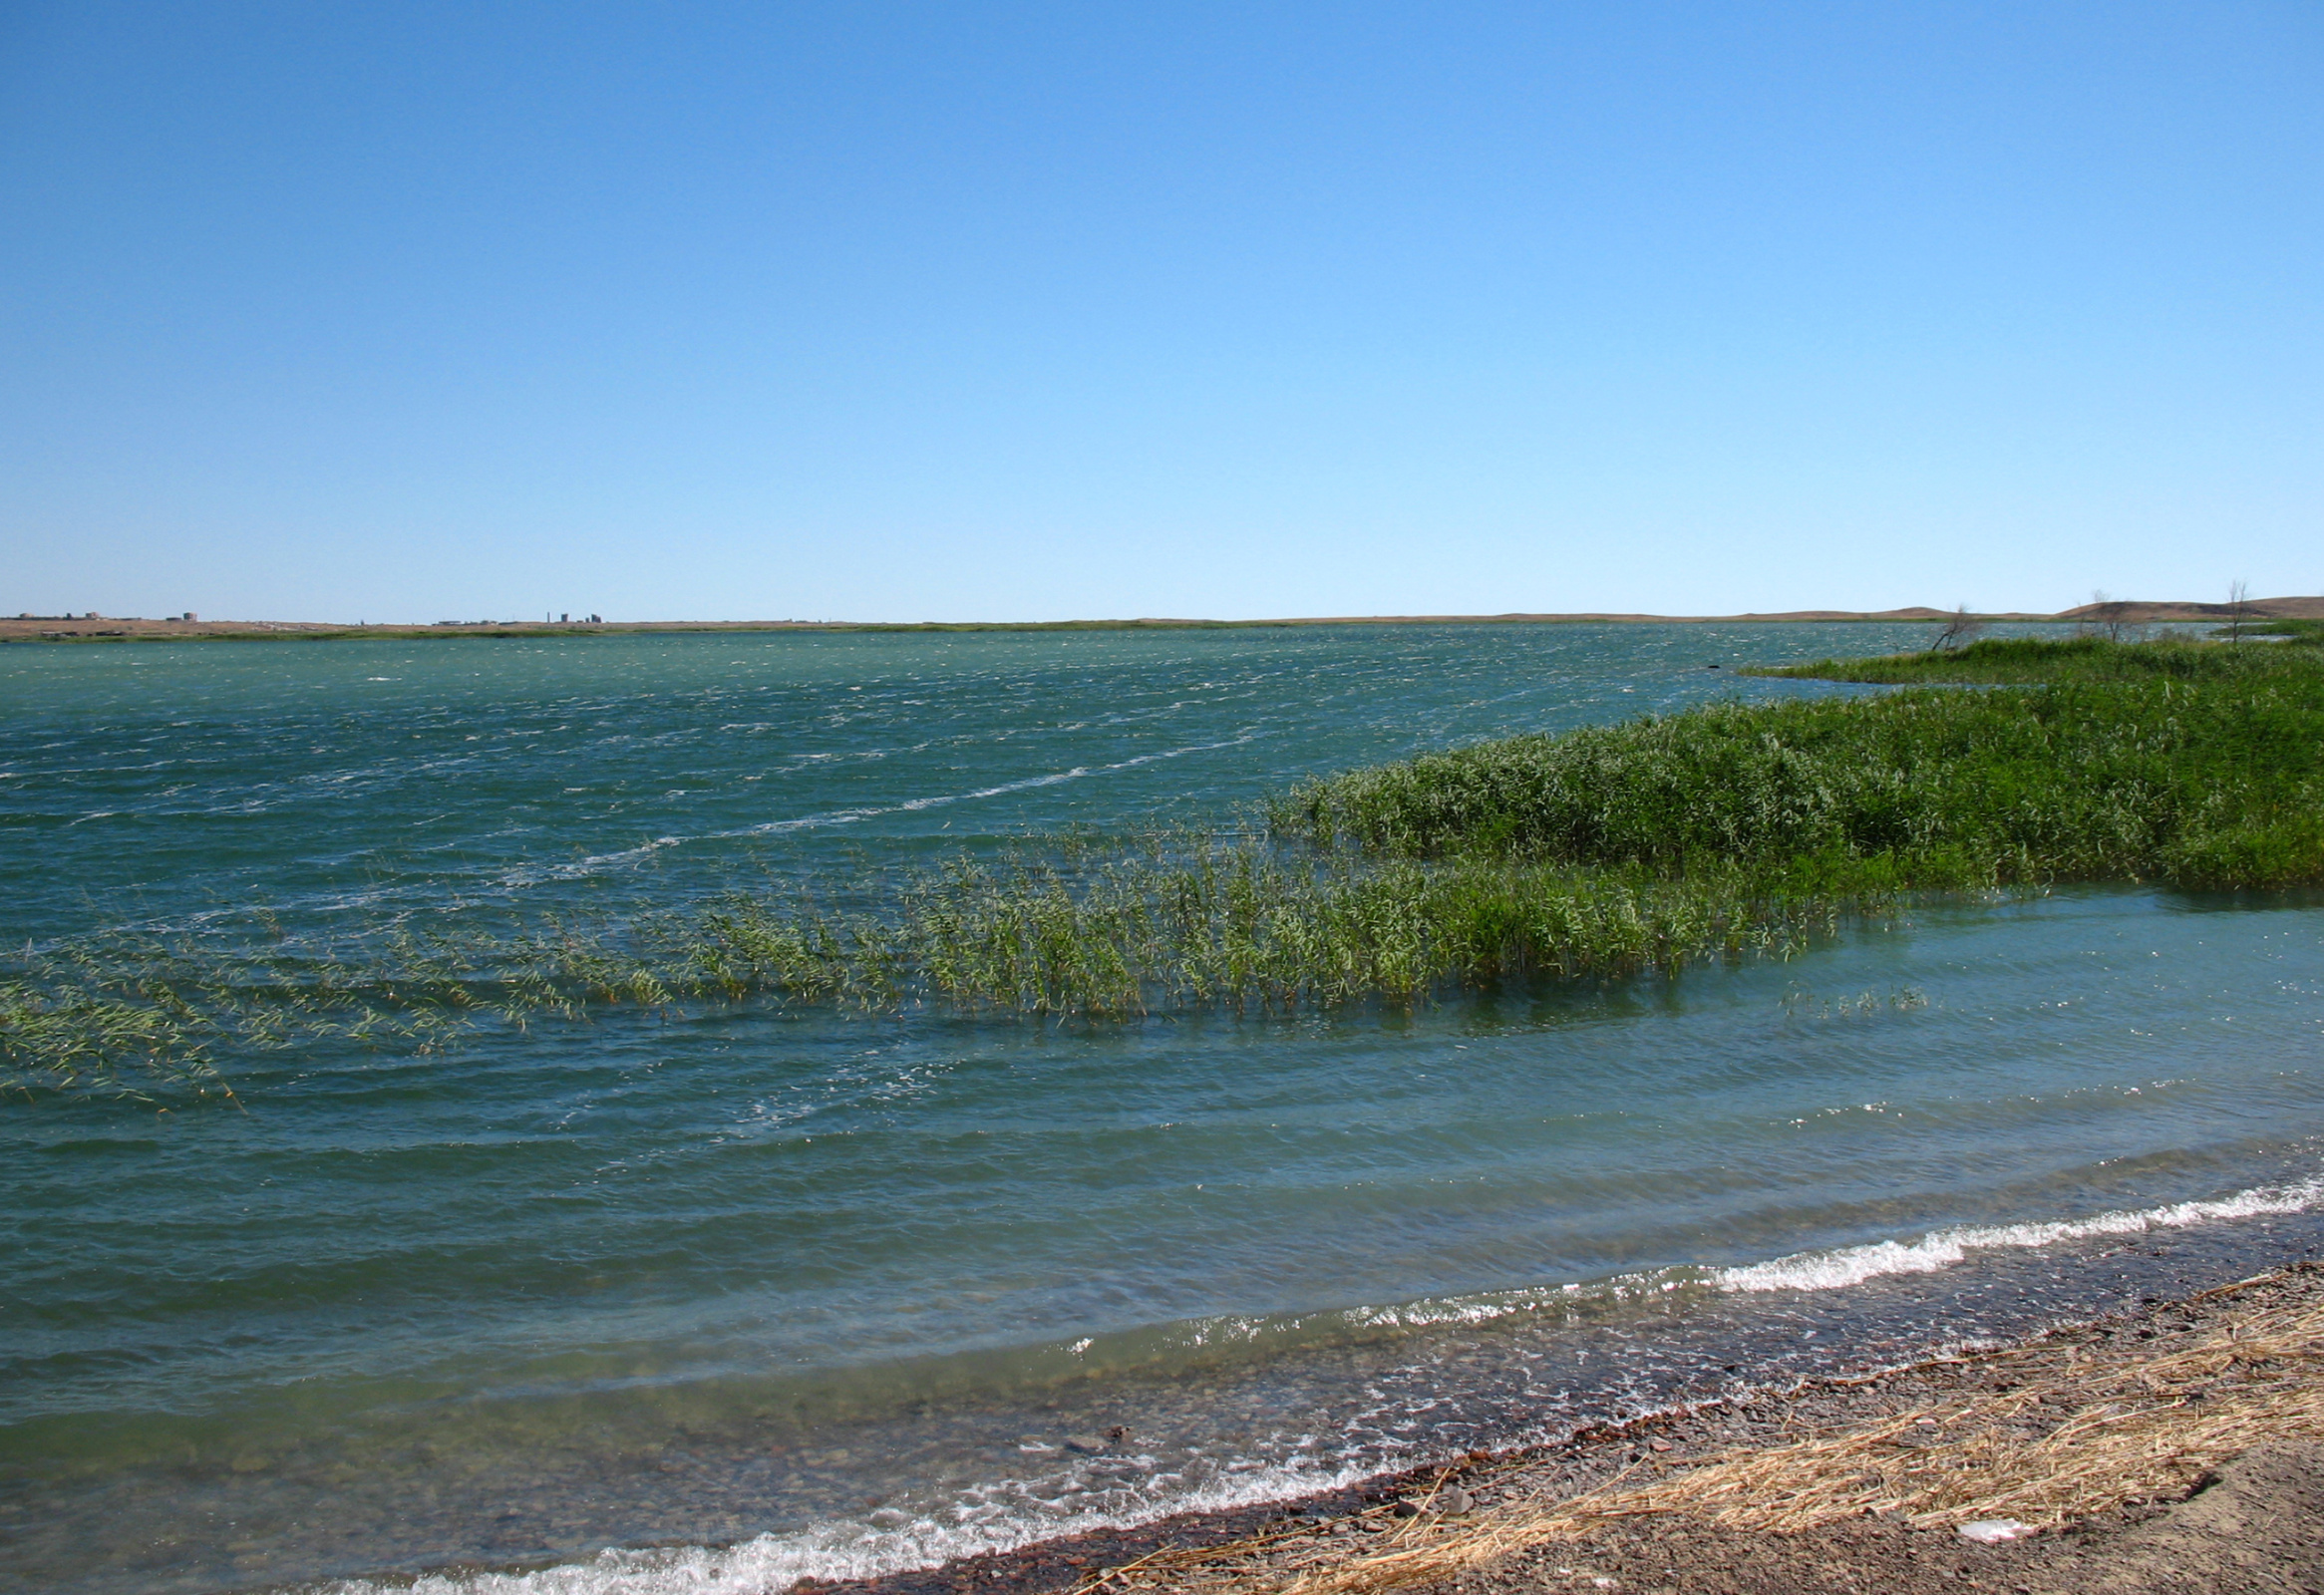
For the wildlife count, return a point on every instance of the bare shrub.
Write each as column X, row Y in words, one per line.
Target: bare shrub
column 1959, row 630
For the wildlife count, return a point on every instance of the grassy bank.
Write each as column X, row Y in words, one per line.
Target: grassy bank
column 2022, row 661
column 2195, row 765
column 2307, row 631
column 1731, row 830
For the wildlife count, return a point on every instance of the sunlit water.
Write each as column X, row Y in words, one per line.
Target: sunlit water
column 758, row 1294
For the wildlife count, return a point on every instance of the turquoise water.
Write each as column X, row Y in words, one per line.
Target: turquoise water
column 834, row 1290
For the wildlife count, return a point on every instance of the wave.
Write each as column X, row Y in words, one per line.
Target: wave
column 1852, row 1265
column 580, row 868
column 848, row 817
column 1835, row 1268
column 1005, row 1514
column 534, row 875
column 841, row 1551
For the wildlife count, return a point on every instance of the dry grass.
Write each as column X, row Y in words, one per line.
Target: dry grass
column 2064, row 1432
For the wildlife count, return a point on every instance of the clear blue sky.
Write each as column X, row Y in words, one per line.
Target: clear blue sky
column 408, row 311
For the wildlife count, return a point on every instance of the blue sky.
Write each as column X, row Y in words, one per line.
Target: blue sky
column 414, row 311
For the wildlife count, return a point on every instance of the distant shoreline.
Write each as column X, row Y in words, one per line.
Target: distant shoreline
column 101, row 628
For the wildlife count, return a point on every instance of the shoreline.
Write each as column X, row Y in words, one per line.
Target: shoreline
column 93, row 628
column 2120, row 1443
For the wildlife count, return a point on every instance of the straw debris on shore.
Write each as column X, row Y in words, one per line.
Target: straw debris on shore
column 2045, row 1435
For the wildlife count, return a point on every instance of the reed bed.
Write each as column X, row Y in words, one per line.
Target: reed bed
column 1730, row 831
column 1241, row 926
column 2068, row 1433
column 2201, row 784
column 2028, row 660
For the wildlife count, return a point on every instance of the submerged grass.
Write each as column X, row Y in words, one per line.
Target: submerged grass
column 1183, row 923
column 1731, row 829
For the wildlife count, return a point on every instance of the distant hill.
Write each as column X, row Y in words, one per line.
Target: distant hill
column 2141, row 612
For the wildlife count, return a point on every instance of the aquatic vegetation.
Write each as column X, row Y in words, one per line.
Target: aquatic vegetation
column 2193, row 765
column 1808, row 1005
column 1729, row 829
column 2023, row 661
column 2310, row 632
column 1178, row 923
column 125, row 1013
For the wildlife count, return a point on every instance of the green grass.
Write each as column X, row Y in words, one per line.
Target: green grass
column 2302, row 631
column 2035, row 660
column 2193, row 765
column 1732, row 830
column 1054, row 930
column 2210, row 779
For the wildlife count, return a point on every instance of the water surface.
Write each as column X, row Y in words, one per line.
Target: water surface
column 835, row 1290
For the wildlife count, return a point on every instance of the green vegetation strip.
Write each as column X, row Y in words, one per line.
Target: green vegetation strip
column 2195, row 765
column 1727, row 831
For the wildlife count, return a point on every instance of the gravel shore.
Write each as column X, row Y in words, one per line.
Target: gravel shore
column 2177, row 1447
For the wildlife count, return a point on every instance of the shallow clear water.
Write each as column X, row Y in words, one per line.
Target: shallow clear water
column 835, row 1289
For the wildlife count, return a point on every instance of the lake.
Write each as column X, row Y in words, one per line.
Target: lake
column 716, row 1298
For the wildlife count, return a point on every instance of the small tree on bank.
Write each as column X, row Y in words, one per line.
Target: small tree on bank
column 2110, row 618
column 1960, row 629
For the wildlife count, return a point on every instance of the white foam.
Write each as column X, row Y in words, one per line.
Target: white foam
column 533, row 876
column 1852, row 1265
column 835, row 1551
column 850, row 816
